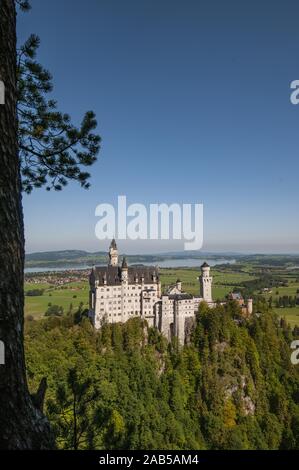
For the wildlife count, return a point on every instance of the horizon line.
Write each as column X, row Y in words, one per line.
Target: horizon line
column 191, row 252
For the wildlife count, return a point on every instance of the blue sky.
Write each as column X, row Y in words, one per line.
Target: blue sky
column 193, row 104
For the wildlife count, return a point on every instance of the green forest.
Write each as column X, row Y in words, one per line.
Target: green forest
column 232, row 386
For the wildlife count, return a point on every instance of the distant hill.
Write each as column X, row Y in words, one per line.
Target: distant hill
column 58, row 255
column 63, row 257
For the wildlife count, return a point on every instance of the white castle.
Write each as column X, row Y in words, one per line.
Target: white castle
column 118, row 293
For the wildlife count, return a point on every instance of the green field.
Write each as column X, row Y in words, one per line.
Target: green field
column 72, row 293
column 290, row 314
column 277, row 292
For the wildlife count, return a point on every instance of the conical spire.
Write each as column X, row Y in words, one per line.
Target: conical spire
column 124, row 263
column 113, row 244
column 205, row 265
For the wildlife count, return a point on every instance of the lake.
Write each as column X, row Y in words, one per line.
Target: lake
column 168, row 263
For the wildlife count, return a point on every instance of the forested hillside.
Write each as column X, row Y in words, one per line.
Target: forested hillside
column 232, row 387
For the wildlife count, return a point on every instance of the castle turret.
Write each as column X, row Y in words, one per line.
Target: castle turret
column 179, row 285
column 206, row 283
column 249, row 306
column 113, row 253
column 124, row 271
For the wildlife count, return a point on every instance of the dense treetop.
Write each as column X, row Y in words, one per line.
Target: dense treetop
column 232, row 387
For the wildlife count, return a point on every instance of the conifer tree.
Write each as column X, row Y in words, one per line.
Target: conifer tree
column 52, row 150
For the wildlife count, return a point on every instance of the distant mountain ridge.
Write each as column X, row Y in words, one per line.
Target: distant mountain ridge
column 60, row 254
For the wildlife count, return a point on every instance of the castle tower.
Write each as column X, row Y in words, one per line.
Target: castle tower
column 124, row 271
column 206, row 283
column 113, row 253
column 249, row 306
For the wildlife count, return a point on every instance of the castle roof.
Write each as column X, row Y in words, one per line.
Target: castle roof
column 205, row 265
column 183, row 296
column 235, row 296
column 113, row 274
column 124, row 263
column 113, row 244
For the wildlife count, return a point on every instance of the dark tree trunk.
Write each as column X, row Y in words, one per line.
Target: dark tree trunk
column 22, row 425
